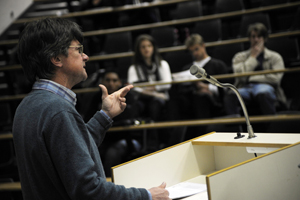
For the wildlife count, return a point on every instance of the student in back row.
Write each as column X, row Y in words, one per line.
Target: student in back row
column 196, row 100
column 263, row 90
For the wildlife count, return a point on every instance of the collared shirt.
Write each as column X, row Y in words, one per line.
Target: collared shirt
column 243, row 62
column 51, row 86
column 260, row 59
column 202, row 63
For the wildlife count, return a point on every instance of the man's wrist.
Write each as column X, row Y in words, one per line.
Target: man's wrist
column 150, row 196
column 106, row 115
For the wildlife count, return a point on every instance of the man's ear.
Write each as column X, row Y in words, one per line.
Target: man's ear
column 56, row 61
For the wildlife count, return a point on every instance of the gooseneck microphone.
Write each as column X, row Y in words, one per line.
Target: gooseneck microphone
column 199, row 72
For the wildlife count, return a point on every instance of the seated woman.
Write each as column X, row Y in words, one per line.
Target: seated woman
column 148, row 66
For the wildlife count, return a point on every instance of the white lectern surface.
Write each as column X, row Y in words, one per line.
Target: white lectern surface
column 224, row 164
column 263, row 139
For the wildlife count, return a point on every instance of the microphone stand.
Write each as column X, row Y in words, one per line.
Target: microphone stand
column 232, row 87
column 249, row 127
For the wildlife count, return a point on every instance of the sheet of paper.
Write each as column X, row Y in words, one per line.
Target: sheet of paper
column 185, row 189
column 183, row 75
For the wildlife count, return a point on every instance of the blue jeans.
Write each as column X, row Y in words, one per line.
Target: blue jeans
column 259, row 93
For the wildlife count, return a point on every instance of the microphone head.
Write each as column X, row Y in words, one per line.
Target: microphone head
column 194, row 69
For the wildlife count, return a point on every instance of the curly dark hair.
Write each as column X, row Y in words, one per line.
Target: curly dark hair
column 42, row 40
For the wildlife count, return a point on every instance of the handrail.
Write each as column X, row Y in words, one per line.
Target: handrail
column 221, row 76
column 11, row 67
column 10, row 186
column 170, row 49
column 205, row 122
column 9, row 42
column 176, row 22
column 6, row 136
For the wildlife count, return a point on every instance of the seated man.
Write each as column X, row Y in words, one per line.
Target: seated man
column 265, row 89
column 197, row 100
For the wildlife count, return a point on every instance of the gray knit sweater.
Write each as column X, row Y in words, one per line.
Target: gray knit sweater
column 57, row 153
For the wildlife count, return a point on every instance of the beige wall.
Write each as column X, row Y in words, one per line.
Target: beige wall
column 10, row 10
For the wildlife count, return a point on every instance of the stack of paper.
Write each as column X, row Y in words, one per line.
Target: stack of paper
column 185, row 189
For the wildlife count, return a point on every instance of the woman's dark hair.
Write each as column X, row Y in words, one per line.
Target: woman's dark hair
column 138, row 58
column 42, row 40
column 260, row 29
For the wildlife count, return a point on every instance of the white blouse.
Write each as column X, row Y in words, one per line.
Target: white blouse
column 164, row 73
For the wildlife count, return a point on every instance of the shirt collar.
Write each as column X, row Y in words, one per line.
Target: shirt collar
column 267, row 53
column 51, row 86
column 202, row 62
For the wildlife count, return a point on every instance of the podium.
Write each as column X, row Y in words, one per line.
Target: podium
column 224, row 165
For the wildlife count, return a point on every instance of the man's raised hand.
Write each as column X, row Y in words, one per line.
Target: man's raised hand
column 115, row 103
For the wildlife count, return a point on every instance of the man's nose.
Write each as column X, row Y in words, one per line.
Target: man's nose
column 85, row 57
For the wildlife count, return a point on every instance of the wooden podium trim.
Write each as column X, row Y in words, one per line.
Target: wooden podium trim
column 239, row 144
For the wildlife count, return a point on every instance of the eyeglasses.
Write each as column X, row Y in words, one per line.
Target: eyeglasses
column 80, row 48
